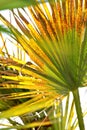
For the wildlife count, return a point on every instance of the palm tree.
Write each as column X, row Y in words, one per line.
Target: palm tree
column 53, row 35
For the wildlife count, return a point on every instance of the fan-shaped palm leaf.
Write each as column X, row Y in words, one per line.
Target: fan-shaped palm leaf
column 54, row 36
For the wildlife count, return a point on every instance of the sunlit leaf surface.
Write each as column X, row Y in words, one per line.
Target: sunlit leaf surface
column 53, row 35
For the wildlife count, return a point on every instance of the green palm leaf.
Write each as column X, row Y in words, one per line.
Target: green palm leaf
column 15, row 4
column 3, row 29
column 54, row 36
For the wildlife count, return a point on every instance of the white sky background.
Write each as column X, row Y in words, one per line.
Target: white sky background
column 12, row 48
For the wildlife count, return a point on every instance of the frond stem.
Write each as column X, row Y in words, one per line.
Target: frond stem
column 78, row 109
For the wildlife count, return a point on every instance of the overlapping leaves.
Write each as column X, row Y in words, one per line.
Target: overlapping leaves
column 55, row 40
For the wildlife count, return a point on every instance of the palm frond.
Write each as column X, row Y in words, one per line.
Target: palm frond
column 54, row 37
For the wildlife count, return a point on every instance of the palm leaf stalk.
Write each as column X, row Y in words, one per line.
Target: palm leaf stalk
column 54, row 36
